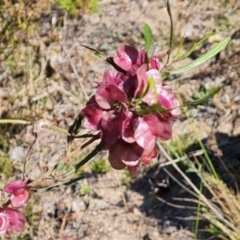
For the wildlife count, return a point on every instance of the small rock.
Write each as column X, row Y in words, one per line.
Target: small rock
column 97, row 204
column 82, row 231
column 94, row 20
column 78, row 205
column 18, row 153
column 168, row 228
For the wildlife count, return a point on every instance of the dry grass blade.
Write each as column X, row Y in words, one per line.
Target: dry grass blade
column 208, row 204
column 75, row 72
column 14, row 121
column 222, row 211
column 229, row 202
column 175, row 205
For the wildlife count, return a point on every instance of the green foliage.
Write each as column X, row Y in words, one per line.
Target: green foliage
column 215, row 230
column 154, row 108
column 5, row 166
column 223, row 23
column 179, row 146
column 152, row 85
column 91, row 5
column 68, row 5
column 75, row 127
column 72, row 6
column 147, row 37
column 100, row 166
column 203, row 96
column 193, row 48
column 85, row 190
column 95, row 51
column 202, row 93
column 93, row 153
column 202, row 59
column 164, row 75
column 127, row 178
column 29, row 213
column 22, row 17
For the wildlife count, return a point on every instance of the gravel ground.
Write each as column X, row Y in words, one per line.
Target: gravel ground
column 113, row 210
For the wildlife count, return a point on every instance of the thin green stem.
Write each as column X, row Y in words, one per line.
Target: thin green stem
column 171, row 31
column 198, row 212
column 208, row 160
column 97, row 149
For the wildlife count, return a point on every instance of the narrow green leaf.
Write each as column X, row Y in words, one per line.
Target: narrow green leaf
column 147, row 36
column 59, row 166
column 74, row 128
column 158, row 108
column 151, row 85
column 95, row 151
column 171, row 37
column 179, row 48
column 152, row 49
column 211, row 93
column 192, row 170
column 95, row 51
column 185, row 55
column 205, row 57
column 154, row 108
column 164, row 75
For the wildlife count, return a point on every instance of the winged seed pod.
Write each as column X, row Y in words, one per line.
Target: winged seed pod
column 131, row 108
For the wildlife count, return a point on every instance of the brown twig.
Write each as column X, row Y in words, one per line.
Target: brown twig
column 171, row 31
column 38, row 183
column 29, row 152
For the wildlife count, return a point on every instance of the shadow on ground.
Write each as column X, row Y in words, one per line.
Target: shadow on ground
column 168, row 202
